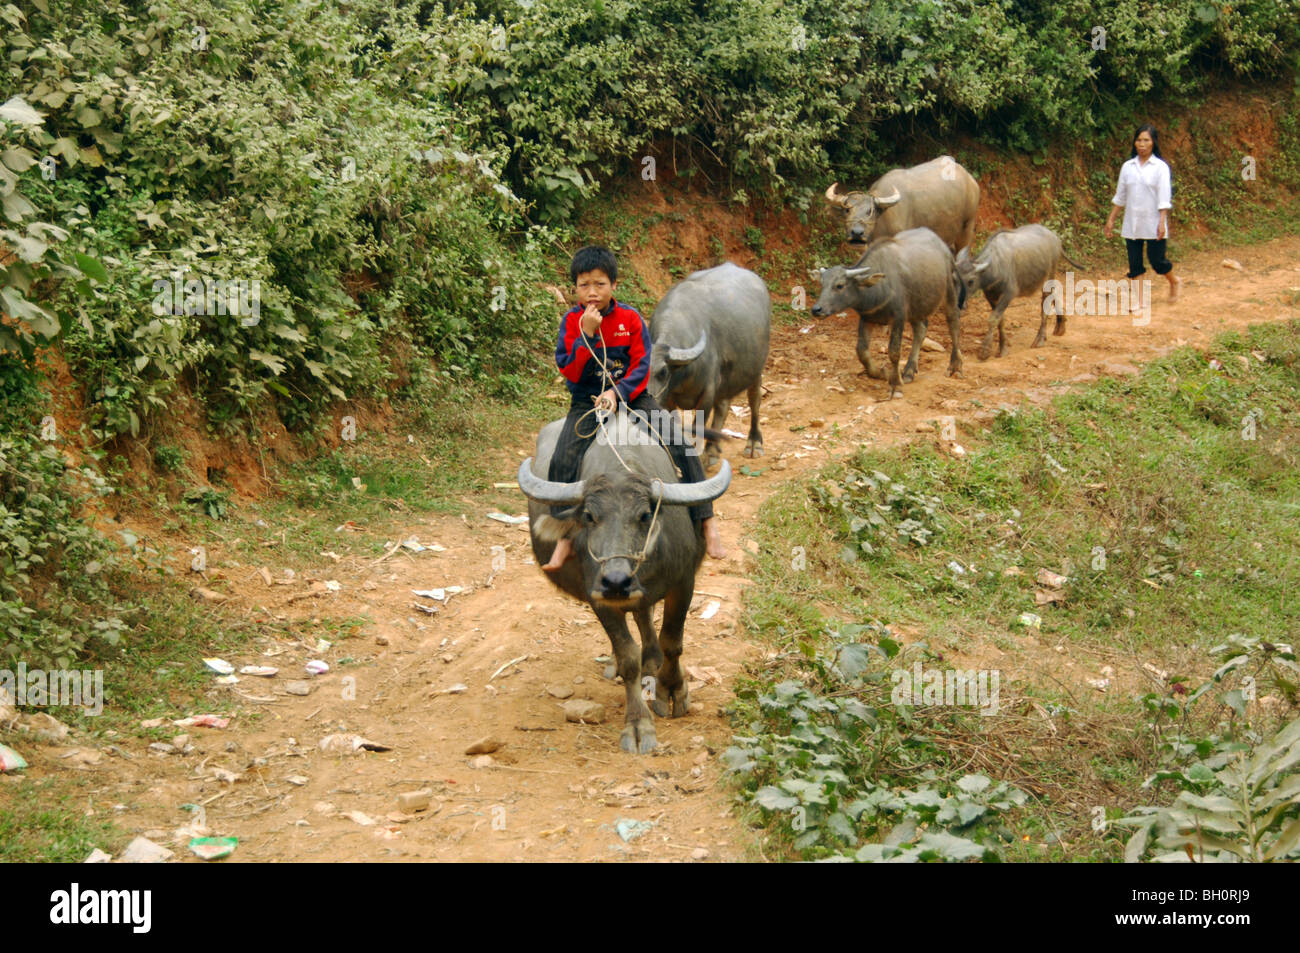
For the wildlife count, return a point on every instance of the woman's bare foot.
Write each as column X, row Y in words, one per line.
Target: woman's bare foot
column 563, row 550
column 713, row 540
column 1175, row 286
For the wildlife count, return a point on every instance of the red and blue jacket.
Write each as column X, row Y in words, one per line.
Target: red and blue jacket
column 622, row 342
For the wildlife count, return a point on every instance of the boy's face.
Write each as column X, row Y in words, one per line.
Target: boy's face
column 594, row 287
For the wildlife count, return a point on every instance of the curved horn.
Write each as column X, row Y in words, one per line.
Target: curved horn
column 834, row 197
column 689, row 494
column 544, row 491
column 854, row 272
column 889, row 200
column 681, row 355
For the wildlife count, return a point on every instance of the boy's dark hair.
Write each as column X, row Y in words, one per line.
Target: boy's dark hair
column 593, row 258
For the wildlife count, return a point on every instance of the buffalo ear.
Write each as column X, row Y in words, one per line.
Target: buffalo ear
column 549, row 529
column 866, row 281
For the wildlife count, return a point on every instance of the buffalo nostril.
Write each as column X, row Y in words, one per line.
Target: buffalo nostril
column 616, row 582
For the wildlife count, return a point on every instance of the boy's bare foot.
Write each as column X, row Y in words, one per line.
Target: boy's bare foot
column 1175, row 286
column 713, row 540
column 563, row 550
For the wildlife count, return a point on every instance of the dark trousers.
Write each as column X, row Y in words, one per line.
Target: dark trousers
column 576, row 437
column 1155, row 254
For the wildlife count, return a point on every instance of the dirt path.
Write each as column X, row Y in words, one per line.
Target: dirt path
column 555, row 791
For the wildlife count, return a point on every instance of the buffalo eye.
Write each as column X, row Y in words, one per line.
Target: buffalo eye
column 589, row 517
column 645, row 517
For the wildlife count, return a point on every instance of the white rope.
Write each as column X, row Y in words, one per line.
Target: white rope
column 607, row 383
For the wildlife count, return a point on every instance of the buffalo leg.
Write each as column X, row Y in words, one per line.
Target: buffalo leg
column 919, row 327
column 895, row 353
column 639, row 732
column 652, row 657
column 995, row 324
column 864, row 351
column 1041, row 338
column 1060, row 317
column 754, row 445
column 671, row 685
column 713, row 452
column 706, row 414
column 954, row 332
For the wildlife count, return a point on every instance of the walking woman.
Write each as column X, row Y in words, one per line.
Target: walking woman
column 1144, row 193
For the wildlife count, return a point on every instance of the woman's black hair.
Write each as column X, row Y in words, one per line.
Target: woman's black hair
column 1155, row 141
column 1155, row 150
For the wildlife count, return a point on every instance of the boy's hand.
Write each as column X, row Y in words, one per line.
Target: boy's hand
column 590, row 320
column 607, row 400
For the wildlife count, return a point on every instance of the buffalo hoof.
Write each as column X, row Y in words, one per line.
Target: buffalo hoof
column 874, row 372
column 909, row 375
column 955, row 370
column 638, row 737
column 679, row 700
column 1040, row 340
column 1060, row 326
column 754, row 448
column 1004, row 350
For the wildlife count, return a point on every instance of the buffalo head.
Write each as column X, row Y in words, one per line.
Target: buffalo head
column 861, row 211
column 841, row 287
column 619, row 532
column 971, row 274
column 672, row 383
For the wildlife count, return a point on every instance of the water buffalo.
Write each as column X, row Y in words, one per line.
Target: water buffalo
column 898, row 280
column 634, row 545
column 709, row 338
column 1013, row 264
column 939, row 195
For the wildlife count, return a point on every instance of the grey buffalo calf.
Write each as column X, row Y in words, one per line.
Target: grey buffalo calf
column 899, row 280
column 1013, row 264
column 709, row 338
column 939, row 195
column 634, row 545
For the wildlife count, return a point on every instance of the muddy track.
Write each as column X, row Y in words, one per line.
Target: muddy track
column 554, row 791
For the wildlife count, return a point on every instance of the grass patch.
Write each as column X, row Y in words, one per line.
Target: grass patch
column 1168, row 501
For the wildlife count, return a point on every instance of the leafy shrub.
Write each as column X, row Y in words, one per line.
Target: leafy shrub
column 875, row 511
column 1239, row 788
column 53, row 566
column 832, row 762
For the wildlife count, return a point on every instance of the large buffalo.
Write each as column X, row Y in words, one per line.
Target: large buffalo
column 634, row 545
column 939, row 195
column 709, row 338
column 1013, row 264
column 898, row 280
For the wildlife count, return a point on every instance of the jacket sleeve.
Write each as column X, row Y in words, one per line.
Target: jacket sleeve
column 1121, row 189
column 638, row 363
column 571, row 355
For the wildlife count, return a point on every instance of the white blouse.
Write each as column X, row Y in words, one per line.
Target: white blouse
column 1143, row 190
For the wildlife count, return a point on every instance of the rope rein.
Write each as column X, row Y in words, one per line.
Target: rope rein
column 601, row 414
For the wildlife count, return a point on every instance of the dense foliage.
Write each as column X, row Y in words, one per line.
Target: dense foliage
column 368, row 177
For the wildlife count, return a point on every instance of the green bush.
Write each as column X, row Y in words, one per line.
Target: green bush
column 53, row 566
